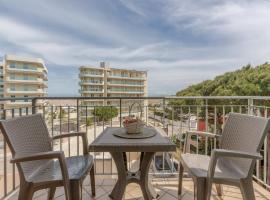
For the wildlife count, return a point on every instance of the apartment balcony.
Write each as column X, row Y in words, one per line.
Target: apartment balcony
column 17, row 104
column 124, row 92
column 21, row 104
column 85, row 91
column 91, row 83
column 125, row 85
column 45, row 77
column 37, row 81
column 26, row 70
column 200, row 113
column 91, row 75
column 25, row 92
column 126, row 77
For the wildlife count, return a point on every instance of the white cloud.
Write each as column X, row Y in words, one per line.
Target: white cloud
column 182, row 40
column 15, row 32
column 131, row 5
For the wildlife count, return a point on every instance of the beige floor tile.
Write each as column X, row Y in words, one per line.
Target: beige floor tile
column 167, row 196
column 166, row 188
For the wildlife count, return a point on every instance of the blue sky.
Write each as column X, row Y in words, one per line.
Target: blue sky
column 179, row 42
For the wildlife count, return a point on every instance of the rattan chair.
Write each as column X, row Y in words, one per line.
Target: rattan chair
column 38, row 165
column 232, row 164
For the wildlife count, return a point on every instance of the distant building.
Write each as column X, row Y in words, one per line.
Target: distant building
column 104, row 81
column 22, row 77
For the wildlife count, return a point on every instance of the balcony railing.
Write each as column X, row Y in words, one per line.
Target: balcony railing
column 91, row 82
column 84, row 74
column 175, row 115
column 26, row 91
column 116, row 76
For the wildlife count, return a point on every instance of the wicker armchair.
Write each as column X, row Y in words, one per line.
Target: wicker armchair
column 233, row 163
column 38, row 165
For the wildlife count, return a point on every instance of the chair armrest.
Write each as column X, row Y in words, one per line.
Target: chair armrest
column 74, row 134
column 202, row 133
column 39, row 156
column 198, row 133
column 235, row 154
column 45, row 156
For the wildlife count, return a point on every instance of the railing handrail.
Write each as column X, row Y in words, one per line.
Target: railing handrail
column 138, row 98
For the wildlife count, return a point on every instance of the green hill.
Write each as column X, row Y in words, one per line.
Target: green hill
column 248, row 81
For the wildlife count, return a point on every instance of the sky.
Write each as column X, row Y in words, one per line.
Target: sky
column 179, row 42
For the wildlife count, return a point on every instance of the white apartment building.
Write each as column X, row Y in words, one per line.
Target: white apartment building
column 104, row 81
column 22, row 77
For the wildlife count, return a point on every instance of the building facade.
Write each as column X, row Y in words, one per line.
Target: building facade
column 22, row 77
column 104, row 81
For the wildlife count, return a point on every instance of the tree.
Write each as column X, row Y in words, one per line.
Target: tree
column 62, row 114
column 248, row 81
column 89, row 121
column 106, row 113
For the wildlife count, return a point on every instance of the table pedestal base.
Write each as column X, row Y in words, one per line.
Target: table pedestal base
column 140, row 177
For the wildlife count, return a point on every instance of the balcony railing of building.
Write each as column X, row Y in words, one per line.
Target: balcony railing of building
column 116, row 76
column 175, row 115
column 125, row 90
column 22, row 66
column 91, row 74
column 91, row 82
column 25, row 90
column 26, row 69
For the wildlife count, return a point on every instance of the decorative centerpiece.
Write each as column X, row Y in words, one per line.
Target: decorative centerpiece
column 133, row 125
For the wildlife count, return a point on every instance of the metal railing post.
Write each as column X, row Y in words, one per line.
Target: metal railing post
column 120, row 110
column 5, row 160
column 250, row 106
column 78, row 126
column 163, row 116
column 34, row 103
column 206, row 125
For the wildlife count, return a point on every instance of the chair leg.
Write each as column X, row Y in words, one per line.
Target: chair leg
column 92, row 180
column 180, row 179
column 51, row 193
column 219, row 189
column 75, row 190
column 26, row 192
column 199, row 188
column 67, row 189
column 247, row 190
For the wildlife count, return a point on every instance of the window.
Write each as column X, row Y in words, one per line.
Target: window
column 25, row 66
column 12, row 76
column 12, row 88
column 12, row 65
column 12, row 96
column 26, row 100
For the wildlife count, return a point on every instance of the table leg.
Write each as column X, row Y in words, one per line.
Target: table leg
column 140, row 177
column 146, row 187
column 119, row 188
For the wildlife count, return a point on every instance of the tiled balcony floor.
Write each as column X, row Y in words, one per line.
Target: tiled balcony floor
column 167, row 189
